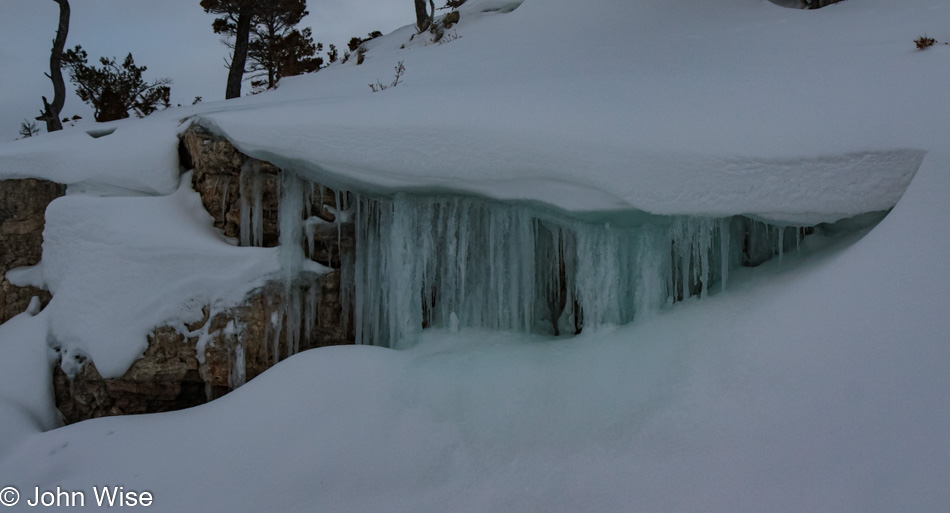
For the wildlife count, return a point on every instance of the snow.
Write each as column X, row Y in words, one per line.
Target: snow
column 136, row 157
column 26, row 381
column 815, row 382
column 736, row 108
column 119, row 267
column 27, row 276
column 817, row 385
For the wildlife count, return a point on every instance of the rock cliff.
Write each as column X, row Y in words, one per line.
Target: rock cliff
column 22, row 205
column 187, row 366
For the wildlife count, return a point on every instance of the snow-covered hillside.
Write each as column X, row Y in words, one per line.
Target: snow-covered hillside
column 814, row 383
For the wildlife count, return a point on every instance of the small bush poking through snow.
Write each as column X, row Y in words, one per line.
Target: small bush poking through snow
column 28, row 129
column 924, row 41
column 449, row 37
column 379, row 86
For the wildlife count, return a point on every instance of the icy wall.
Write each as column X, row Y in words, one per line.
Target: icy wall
column 464, row 262
column 379, row 269
column 400, row 263
column 420, row 261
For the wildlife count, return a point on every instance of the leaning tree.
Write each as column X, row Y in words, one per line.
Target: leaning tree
column 50, row 112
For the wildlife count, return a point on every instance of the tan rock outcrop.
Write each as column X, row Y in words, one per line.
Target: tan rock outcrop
column 22, row 218
column 234, row 345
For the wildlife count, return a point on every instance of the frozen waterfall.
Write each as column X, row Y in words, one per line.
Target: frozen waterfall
column 419, row 261
column 424, row 261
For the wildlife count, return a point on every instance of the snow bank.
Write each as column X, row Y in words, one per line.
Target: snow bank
column 121, row 157
column 817, row 385
column 691, row 108
column 119, row 267
column 26, row 383
column 681, row 108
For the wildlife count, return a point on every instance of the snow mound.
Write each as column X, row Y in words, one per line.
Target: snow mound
column 682, row 108
column 821, row 388
column 119, row 267
column 817, row 385
column 598, row 178
column 26, row 383
column 119, row 158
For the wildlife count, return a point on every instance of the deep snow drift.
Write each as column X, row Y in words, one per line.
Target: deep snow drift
column 817, row 385
column 707, row 109
column 814, row 384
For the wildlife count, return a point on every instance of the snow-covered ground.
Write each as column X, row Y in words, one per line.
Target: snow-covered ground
column 818, row 383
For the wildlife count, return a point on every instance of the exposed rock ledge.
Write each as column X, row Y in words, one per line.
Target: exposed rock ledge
column 22, row 207
column 235, row 345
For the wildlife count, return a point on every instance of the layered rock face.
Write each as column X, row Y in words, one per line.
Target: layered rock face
column 22, row 207
column 166, row 378
column 230, row 182
column 188, row 366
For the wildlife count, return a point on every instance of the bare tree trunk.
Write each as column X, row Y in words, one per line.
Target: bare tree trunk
column 239, row 61
column 50, row 113
column 422, row 17
column 271, row 56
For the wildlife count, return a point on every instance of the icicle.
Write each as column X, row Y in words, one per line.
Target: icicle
column 238, row 374
column 462, row 257
column 310, row 233
column 276, row 323
column 704, row 250
column 257, row 215
column 251, row 190
column 653, row 272
column 445, row 261
column 684, row 268
column 781, row 243
column 338, row 217
column 308, row 202
column 724, row 253
column 311, row 303
column 290, row 217
column 245, row 192
column 224, row 200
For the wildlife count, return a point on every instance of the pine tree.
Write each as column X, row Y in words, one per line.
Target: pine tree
column 114, row 89
column 274, row 47
column 238, row 15
column 295, row 54
column 274, row 23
